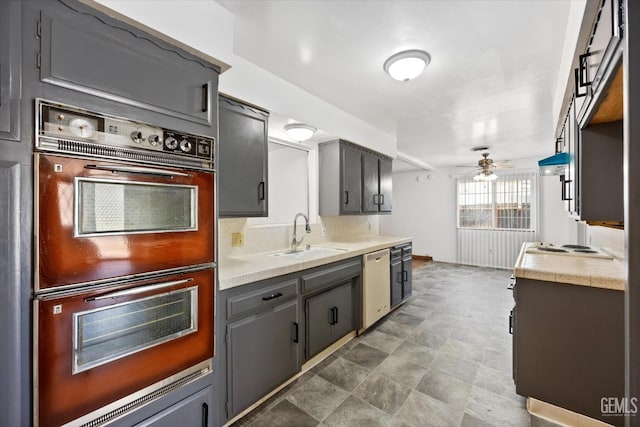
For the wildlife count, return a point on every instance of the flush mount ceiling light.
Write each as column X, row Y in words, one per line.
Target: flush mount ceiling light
column 407, row 65
column 299, row 131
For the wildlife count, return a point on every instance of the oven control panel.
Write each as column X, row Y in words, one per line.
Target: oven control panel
column 68, row 129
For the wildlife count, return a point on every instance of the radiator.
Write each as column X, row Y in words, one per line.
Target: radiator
column 491, row 248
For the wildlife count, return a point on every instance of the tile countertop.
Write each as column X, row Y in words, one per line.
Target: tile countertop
column 241, row 270
column 583, row 271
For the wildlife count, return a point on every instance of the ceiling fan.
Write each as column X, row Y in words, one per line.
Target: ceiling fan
column 486, row 166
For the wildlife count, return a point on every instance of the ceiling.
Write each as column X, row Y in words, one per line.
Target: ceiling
column 491, row 81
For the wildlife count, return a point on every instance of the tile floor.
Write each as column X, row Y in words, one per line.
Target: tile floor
column 442, row 359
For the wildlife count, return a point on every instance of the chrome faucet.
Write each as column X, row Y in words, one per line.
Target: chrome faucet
column 295, row 242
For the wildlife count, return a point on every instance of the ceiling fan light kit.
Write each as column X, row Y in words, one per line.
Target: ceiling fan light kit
column 407, row 65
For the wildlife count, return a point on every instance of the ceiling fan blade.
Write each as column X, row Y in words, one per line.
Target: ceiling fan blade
column 502, row 162
column 504, row 166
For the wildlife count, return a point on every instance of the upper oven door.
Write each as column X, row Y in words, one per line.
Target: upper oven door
column 100, row 220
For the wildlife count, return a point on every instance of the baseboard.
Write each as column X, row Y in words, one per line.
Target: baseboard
column 422, row 257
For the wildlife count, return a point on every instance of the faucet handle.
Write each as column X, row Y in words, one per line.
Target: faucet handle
column 308, row 228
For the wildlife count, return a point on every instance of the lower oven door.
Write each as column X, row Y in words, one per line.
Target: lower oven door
column 97, row 220
column 96, row 346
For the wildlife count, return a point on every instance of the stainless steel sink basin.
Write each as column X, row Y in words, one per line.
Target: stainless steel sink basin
column 314, row 252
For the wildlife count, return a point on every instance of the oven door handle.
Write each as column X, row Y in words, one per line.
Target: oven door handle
column 136, row 169
column 139, row 290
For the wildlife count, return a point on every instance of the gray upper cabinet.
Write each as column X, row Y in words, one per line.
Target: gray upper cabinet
column 350, row 173
column 242, row 159
column 376, row 183
column 600, row 160
column 371, row 195
column 386, row 184
column 10, row 71
column 105, row 58
column 353, row 180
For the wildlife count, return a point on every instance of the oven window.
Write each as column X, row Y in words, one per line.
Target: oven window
column 109, row 333
column 123, row 207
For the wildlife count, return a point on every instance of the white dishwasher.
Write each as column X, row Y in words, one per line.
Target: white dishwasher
column 376, row 290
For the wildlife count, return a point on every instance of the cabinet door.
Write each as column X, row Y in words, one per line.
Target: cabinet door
column 272, row 338
column 570, row 190
column 351, row 175
column 242, row 160
column 370, row 188
column 601, row 179
column 386, row 185
column 10, row 73
column 396, row 281
column 329, row 317
column 91, row 53
column 195, row 410
column 319, row 319
column 407, row 287
column 342, row 304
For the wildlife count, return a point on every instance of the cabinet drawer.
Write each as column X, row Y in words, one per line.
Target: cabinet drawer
column 262, row 298
column 330, row 276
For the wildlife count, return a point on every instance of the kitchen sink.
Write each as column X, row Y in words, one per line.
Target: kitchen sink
column 314, row 252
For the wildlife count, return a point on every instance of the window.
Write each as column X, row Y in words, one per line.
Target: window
column 504, row 204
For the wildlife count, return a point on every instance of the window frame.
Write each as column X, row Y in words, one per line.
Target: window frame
column 492, row 194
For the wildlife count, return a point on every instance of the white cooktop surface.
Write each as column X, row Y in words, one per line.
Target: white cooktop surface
column 585, row 251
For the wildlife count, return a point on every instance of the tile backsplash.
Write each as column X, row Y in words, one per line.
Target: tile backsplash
column 609, row 238
column 267, row 238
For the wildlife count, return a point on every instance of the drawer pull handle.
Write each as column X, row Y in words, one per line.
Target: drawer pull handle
column 272, row 296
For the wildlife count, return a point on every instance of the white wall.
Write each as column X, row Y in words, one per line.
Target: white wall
column 426, row 210
column 207, row 26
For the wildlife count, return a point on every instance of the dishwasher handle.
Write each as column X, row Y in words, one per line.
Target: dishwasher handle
column 376, row 256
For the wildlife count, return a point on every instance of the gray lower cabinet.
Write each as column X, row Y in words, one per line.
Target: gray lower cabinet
column 329, row 317
column 262, row 353
column 195, row 410
column 242, row 159
column 401, row 274
column 569, row 345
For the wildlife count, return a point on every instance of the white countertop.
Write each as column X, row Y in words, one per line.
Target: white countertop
column 582, row 271
column 240, row 270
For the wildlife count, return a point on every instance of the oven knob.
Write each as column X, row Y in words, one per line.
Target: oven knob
column 171, row 143
column 137, row 137
column 185, row 145
column 153, row 140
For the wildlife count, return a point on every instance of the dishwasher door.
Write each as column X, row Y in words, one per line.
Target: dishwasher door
column 375, row 287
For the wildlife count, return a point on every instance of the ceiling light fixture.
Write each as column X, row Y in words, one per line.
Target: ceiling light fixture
column 299, row 131
column 485, row 176
column 407, row 65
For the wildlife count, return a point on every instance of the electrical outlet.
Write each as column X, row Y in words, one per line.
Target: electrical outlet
column 237, row 240
column 324, row 230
